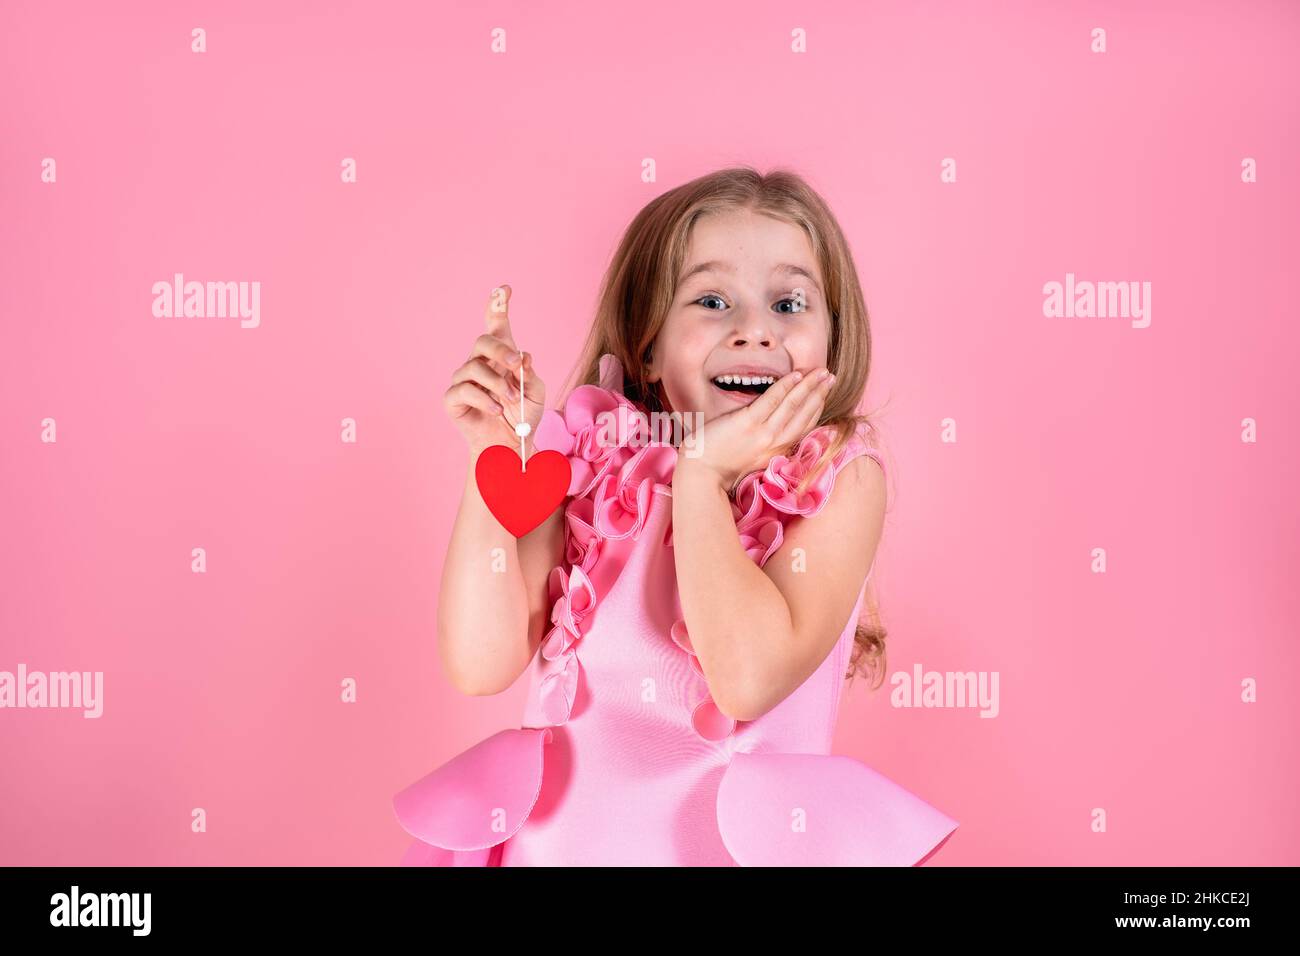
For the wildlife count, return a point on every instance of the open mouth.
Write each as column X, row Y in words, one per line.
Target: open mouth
column 748, row 384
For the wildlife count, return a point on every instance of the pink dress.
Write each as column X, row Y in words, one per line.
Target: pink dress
column 622, row 757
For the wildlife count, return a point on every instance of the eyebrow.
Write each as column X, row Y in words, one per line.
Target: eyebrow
column 714, row 265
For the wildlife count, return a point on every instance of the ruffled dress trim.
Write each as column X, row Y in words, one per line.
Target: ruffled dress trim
column 616, row 472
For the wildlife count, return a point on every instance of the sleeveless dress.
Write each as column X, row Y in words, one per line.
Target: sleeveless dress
column 622, row 758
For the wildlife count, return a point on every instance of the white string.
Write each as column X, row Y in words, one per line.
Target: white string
column 523, row 461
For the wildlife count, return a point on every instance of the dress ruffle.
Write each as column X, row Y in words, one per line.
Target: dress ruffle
column 474, row 801
column 778, row 809
column 461, row 813
column 617, row 470
column 773, row 809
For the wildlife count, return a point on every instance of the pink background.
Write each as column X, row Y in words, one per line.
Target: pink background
column 1118, row 690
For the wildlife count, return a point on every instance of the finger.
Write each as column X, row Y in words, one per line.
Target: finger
column 477, row 370
column 534, row 388
column 513, row 378
column 792, row 400
column 500, row 354
column 812, row 390
column 762, row 407
column 807, row 415
column 498, row 315
column 464, row 396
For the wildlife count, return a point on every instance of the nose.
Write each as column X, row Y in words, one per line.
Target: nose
column 753, row 327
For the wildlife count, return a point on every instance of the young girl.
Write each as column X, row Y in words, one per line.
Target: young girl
column 688, row 613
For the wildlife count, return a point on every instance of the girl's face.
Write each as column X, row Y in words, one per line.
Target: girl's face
column 739, row 311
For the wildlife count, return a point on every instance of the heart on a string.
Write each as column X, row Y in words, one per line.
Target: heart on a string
column 521, row 499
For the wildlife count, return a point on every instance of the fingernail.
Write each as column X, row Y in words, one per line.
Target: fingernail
column 823, row 373
column 798, row 376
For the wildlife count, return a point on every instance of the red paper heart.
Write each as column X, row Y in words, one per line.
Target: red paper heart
column 521, row 499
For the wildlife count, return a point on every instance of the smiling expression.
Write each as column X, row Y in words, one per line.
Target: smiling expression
column 749, row 305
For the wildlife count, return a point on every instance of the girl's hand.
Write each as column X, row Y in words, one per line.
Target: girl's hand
column 732, row 445
column 483, row 400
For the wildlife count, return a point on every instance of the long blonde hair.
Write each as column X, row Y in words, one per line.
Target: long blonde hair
column 640, row 286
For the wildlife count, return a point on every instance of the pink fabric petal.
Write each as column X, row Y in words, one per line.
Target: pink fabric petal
column 582, row 594
column 592, row 555
column 556, row 583
column 762, row 538
column 558, row 640
column 747, row 503
column 623, row 500
column 559, row 689
column 778, row 809
column 581, row 539
column 783, row 476
column 569, row 611
column 564, row 631
column 611, row 372
column 681, row 637
column 478, row 798
column 552, row 434
column 770, row 492
column 616, row 510
column 711, row 723
column 591, row 431
column 613, row 519
column 640, row 501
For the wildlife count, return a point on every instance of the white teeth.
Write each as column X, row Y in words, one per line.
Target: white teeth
column 745, row 379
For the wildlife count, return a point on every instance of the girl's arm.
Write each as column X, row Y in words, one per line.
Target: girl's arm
column 759, row 633
column 492, row 605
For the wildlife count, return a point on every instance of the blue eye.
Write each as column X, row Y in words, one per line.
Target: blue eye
column 798, row 305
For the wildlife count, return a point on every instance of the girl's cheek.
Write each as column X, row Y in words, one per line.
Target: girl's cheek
column 808, row 354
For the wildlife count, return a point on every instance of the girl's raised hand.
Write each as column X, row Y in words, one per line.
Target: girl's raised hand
column 483, row 400
column 734, row 444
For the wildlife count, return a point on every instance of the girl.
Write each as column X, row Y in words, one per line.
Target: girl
column 687, row 615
